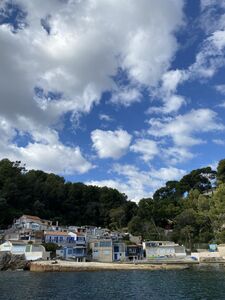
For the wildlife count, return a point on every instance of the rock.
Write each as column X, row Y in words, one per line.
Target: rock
column 10, row 261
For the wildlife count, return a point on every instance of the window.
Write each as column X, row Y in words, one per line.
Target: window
column 70, row 251
column 105, row 244
column 116, row 248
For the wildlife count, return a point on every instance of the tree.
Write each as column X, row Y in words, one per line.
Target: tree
column 221, row 172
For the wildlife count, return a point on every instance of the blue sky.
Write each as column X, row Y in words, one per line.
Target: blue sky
column 127, row 94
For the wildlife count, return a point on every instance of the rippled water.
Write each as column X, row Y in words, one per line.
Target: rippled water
column 187, row 284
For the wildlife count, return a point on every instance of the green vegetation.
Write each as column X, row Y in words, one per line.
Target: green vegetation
column 188, row 207
column 50, row 197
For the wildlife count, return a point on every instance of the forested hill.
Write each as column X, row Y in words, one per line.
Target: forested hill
column 49, row 196
column 186, row 206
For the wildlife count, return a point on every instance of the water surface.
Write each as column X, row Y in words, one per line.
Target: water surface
column 196, row 284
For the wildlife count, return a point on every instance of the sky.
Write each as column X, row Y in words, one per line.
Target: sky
column 120, row 93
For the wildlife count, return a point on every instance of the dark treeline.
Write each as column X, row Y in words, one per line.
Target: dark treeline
column 188, row 209
column 49, row 196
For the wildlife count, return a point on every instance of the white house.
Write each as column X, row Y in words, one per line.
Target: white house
column 167, row 249
column 31, row 251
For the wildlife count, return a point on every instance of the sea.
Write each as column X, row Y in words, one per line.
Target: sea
column 194, row 284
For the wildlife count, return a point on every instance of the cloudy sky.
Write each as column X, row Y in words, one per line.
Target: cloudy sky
column 122, row 93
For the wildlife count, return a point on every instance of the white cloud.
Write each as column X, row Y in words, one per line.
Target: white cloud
column 148, row 149
column 220, row 88
column 170, row 173
column 167, row 92
column 47, row 153
column 139, row 37
column 211, row 57
column 219, row 142
column 175, row 155
column 171, row 104
column 207, row 3
column 171, row 80
column 222, row 104
column 183, row 128
column 126, row 96
column 110, row 144
column 214, row 165
column 88, row 42
column 104, row 117
column 137, row 184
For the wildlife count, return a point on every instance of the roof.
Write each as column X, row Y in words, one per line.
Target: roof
column 56, row 233
column 31, row 217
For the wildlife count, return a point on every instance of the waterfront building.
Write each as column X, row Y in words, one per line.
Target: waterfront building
column 76, row 252
column 72, row 244
column 102, row 250
column 119, row 251
column 57, row 237
column 156, row 249
column 134, row 252
column 108, row 250
column 30, row 251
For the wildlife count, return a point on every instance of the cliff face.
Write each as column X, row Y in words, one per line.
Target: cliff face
column 9, row 261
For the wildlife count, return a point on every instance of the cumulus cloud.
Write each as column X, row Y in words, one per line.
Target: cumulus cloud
column 208, row 61
column 169, row 173
column 183, row 128
column 148, row 149
column 172, row 104
column 167, row 92
column 110, row 144
column 126, row 96
column 139, row 184
column 48, row 154
column 69, row 52
column 175, row 154
column 69, row 61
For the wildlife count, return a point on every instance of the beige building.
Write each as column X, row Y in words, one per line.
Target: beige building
column 102, row 250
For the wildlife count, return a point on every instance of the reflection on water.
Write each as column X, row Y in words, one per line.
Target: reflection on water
column 206, row 282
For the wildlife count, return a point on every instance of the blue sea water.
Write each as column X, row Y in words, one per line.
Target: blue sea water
column 195, row 284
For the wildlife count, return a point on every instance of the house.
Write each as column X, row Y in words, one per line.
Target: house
column 93, row 233
column 119, row 251
column 134, row 252
column 154, row 249
column 108, row 250
column 31, row 251
column 57, row 237
column 64, row 237
column 33, row 223
column 73, row 244
column 102, row 250
column 76, row 252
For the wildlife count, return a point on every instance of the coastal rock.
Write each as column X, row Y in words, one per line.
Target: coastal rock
column 9, row 261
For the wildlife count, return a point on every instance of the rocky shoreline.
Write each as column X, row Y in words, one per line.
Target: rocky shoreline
column 12, row 262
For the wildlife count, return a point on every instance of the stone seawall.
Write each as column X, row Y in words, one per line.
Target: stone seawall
column 66, row 266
